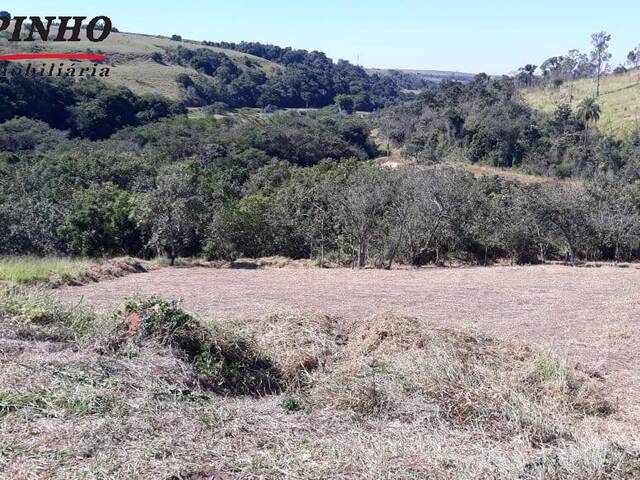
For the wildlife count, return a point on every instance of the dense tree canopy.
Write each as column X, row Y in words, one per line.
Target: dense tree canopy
column 88, row 108
column 304, row 80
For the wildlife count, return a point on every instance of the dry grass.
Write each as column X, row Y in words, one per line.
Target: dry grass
column 385, row 397
column 299, row 344
column 511, row 174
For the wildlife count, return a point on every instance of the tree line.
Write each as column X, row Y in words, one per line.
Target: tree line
column 302, row 185
column 302, row 80
column 87, row 109
column 558, row 69
column 88, row 169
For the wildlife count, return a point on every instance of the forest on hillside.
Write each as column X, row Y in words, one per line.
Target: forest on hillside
column 88, row 169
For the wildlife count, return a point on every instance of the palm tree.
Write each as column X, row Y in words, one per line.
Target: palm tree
column 588, row 113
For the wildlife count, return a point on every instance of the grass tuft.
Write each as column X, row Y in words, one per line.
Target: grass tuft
column 36, row 314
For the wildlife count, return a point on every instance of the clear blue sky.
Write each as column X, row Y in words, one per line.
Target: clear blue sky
column 493, row 36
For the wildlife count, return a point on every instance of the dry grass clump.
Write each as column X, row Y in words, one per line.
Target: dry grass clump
column 114, row 268
column 271, row 262
column 298, row 343
column 405, row 369
column 34, row 314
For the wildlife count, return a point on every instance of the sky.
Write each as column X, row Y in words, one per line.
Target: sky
column 491, row 36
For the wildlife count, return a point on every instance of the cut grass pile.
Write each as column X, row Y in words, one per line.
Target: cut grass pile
column 30, row 270
column 33, row 314
column 154, row 393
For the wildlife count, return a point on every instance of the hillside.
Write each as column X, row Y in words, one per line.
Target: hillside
column 429, row 75
column 619, row 100
column 129, row 55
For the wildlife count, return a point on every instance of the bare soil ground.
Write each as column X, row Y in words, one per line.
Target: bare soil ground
column 590, row 314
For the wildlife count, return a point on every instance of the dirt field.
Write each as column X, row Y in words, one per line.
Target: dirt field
column 592, row 314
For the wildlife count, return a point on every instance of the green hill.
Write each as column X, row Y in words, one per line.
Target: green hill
column 130, row 57
column 619, row 100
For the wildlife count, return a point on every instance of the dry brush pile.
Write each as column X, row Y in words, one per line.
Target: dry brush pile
column 154, row 393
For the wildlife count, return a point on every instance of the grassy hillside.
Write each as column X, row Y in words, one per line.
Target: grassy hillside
column 431, row 75
column 619, row 100
column 129, row 55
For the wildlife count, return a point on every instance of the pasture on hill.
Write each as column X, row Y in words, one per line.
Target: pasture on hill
column 619, row 100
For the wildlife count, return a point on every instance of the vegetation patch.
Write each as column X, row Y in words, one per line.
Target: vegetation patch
column 36, row 314
column 401, row 368
column 30, row 270
column 44, row 403
column 227, row 362
column 56, row 272
column 389, row 394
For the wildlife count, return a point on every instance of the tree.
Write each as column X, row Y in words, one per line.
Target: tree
column 420, row 210
column 173, row 213
column 360, row 203
column 345, row 103
column 588, row 113
column 527, row 73
column 568, row 209
column 615, row 218
column 600, row 56
column 633, row 58
column 101, row 222
column 552, row 68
